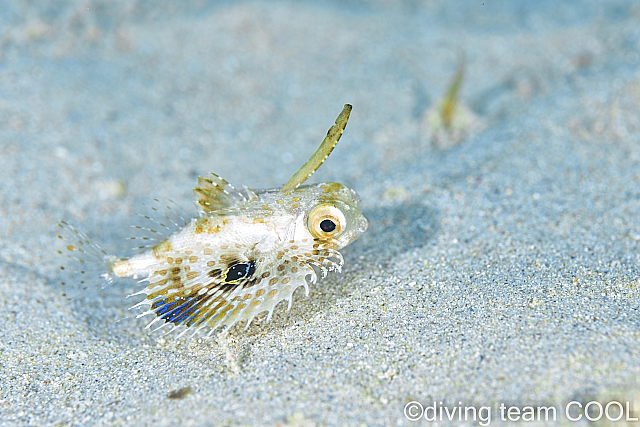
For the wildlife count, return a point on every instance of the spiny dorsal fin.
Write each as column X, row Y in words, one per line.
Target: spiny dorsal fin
column 214, row 193
column 252, row 194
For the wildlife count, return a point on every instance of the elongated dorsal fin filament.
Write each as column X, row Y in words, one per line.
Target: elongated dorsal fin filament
column 321, row 154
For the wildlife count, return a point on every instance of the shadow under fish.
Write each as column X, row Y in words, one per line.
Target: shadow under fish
column 395, row 230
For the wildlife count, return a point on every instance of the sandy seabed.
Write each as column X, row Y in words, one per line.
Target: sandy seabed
column 500, row 270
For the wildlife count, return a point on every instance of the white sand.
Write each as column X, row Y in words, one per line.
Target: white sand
column 502, row 270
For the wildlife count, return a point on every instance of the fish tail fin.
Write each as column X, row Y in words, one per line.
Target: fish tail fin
column 90, row 261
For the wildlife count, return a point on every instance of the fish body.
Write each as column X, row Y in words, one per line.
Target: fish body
column 245, row 252
column 233, row 263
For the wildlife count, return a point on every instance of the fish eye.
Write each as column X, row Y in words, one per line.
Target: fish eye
column 326, row 221
column 327, row 225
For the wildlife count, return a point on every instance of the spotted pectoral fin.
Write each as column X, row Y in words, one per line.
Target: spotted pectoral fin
column 228, row 294
column 276, row 281
column 198, row 287
column 214, row 193
column 198, row 290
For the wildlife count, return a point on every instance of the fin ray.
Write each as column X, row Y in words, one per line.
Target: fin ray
column 215, row 193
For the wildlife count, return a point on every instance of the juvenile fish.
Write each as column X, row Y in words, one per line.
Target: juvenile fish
column 245, row 252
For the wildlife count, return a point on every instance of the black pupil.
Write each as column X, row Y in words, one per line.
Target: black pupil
column 240, row 270
column 327, row 225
